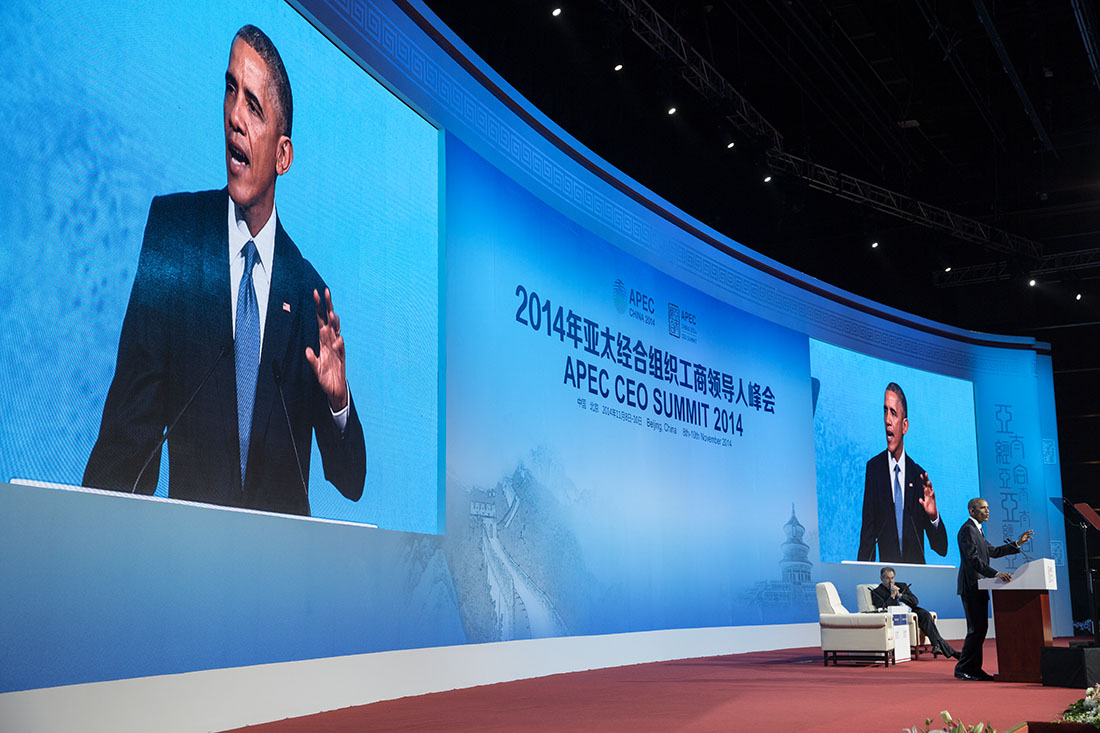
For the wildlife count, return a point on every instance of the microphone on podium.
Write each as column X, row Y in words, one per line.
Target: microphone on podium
column 1010, row 541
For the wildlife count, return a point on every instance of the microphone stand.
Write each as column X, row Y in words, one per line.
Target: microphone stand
column 277, row 373
column 164, row 436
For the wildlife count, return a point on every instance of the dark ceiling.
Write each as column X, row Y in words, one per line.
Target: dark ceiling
column 987, row 110
column 908, row 95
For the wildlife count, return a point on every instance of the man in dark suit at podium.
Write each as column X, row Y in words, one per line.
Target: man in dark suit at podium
column 974, row 553
column 889, row 593
column 899, row 503
column 230, row 340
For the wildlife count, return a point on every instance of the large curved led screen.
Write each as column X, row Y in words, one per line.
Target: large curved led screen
column 567, row 407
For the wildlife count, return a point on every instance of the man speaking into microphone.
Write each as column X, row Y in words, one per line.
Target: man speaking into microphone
column 230, row 339
column 975, row 552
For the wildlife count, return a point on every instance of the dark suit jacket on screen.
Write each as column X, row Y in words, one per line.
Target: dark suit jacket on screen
column 879, row 526
column 974, row 553
column 177, row 322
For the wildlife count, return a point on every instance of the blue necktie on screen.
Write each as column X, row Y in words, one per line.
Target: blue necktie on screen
column 899, row 505
column 246, row 351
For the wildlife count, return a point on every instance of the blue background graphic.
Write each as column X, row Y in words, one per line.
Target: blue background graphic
column 663, row 530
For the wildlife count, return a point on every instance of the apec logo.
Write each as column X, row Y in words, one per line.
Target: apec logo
column 682, row 323
column 618, row 294
column 638, row 305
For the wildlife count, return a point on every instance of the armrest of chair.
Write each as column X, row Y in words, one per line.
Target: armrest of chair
column 856, row 620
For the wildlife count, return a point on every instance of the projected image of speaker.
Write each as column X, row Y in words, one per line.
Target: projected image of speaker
column 897, row 458
column 241, row 246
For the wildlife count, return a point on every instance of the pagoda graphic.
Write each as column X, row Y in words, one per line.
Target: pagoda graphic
column 796, row 587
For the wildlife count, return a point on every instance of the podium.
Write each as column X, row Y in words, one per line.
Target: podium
column 1021, row 610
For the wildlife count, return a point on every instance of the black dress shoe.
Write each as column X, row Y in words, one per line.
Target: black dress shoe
column 946, row 650
column 984, row 676
column 979, row 677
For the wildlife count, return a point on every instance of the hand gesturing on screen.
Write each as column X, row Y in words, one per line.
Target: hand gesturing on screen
column 328, row 363
column 928, row 501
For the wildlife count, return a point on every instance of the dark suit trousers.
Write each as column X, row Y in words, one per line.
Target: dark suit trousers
column 928, row 626
column 976, row 607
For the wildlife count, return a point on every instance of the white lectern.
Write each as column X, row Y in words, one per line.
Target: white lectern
column 1021, row 609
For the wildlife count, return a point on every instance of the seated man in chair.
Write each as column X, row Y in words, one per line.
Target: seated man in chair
column 888, row 593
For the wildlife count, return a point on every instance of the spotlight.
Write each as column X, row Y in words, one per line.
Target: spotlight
column 1078, row 297
column 618, row 67
column 556, row 13
column 672, row 110
column 767, row 179
column 947, row 269
column 874, row 245
column 730, row 145
column 1031, row 283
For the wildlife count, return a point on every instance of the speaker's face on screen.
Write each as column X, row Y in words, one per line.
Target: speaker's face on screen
column 256, row 151
column 897, row 424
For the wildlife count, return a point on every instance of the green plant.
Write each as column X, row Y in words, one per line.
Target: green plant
column 957, row 726
column 1085, row 710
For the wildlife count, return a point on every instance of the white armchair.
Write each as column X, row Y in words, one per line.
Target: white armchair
column 863, row 637
column 918, row 641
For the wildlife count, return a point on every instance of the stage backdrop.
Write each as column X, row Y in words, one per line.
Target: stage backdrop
column 637, row 423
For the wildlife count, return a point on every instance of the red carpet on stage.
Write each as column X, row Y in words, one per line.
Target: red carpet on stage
column 785, row 690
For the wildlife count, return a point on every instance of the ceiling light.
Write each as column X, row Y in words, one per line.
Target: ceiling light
column 874, row 245
column 1031, row 283
column 1078, row 297
column 672, row 110
column 618, row 67
column 556, row 13
column 767, row 179
column 730, row 144
column 947, row 269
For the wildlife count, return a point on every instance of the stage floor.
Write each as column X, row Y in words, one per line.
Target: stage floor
column 784, row 690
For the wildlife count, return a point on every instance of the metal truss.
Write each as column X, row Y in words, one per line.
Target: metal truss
column 1051, row 264
column 661, row 36
column 973, row 275
column 1010, row 71
column 902, row 206
column 1086, row 24
column 948, row 43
